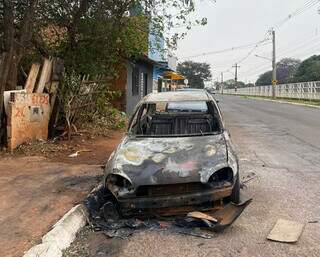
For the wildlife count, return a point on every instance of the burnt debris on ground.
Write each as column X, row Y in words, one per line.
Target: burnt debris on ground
column 105, row 216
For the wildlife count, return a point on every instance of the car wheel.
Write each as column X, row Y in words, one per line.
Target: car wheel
column 235, row 195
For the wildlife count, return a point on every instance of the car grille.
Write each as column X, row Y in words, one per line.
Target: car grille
column 172, row 189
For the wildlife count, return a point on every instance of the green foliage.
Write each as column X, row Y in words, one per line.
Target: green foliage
column 264, row 79
column 230, row 84
column 309, row 70
column 93, row 36
column 195, row 72
column 286, row 70
column 119, row 118
column 88, row 101
column 69, row 93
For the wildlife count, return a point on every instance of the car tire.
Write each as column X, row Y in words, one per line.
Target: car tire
column 235, row 195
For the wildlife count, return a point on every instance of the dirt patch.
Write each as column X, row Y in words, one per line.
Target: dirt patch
column 36, row 191
column 91, row 149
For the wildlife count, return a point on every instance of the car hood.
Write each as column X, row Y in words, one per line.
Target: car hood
column 170, row 160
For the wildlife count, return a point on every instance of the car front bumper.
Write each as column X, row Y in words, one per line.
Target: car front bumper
column 141, row 204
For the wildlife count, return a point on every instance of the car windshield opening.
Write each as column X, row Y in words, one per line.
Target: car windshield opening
column 176, row 118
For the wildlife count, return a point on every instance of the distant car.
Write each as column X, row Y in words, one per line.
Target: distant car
column 176, row 153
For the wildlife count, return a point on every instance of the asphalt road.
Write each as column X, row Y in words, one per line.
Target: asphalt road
column 279, row 149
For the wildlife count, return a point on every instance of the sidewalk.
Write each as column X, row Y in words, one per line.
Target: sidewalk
column 35, row 192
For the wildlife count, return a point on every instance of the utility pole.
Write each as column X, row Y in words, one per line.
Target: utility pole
column 222, row 82
column 274, row 64
column 236, row 77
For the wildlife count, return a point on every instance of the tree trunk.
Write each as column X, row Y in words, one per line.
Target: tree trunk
column 4, row 71
column 14, row 48
column 12, row 78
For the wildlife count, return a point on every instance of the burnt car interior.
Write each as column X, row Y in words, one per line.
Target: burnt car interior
column 179, row 118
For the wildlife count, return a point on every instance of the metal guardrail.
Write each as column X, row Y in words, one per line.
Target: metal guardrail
column 304, row 90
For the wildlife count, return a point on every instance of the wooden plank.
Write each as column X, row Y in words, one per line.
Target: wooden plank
column 32, row 77
column 45, row 75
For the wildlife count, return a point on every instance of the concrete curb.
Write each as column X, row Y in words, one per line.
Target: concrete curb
column 62, row 234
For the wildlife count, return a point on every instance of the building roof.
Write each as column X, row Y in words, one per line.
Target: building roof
column 144, row 58
column 173, row 75
column 178, row 96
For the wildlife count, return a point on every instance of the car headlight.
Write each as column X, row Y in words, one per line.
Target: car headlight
column 119, row 185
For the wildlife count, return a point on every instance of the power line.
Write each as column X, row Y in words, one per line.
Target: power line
column 259, row 70
column 284, row 48
column 225, row 50
column 312, row 48
column 308, row 5
column 251, row 52
column 282, row 55
column 306, row 43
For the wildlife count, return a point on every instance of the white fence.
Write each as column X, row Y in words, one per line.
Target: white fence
column 305, row 90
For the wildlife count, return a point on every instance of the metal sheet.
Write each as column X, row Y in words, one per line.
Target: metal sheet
column 150, row 161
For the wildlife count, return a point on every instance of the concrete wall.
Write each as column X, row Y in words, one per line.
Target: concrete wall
column 28, row 118
column 132, row 100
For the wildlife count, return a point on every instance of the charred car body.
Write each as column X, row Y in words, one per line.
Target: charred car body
column 176, row 153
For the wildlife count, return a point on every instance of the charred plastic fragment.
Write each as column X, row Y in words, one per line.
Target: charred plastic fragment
column 105, row 216
column 216, row 221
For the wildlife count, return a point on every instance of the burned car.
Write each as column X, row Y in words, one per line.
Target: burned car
column 176, row 153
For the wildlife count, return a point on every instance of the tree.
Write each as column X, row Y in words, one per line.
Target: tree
column 286, row 69
column 16, row 19
column 229, row 84
column 16, row 22
column 195, row 72
column 309, row 70
column 264, row 79
column 82, row 30
column 92, row 36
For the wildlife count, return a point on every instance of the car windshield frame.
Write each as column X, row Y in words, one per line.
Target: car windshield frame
column 212, row 109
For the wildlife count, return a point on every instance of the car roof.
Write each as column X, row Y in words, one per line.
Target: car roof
column 189, row 89
column 198, row 95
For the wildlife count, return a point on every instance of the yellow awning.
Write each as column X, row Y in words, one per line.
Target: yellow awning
column 173, row 75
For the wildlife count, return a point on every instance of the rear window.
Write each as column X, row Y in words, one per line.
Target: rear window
column 187, row 106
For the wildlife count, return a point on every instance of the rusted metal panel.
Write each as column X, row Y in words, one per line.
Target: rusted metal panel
column 175, row 201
